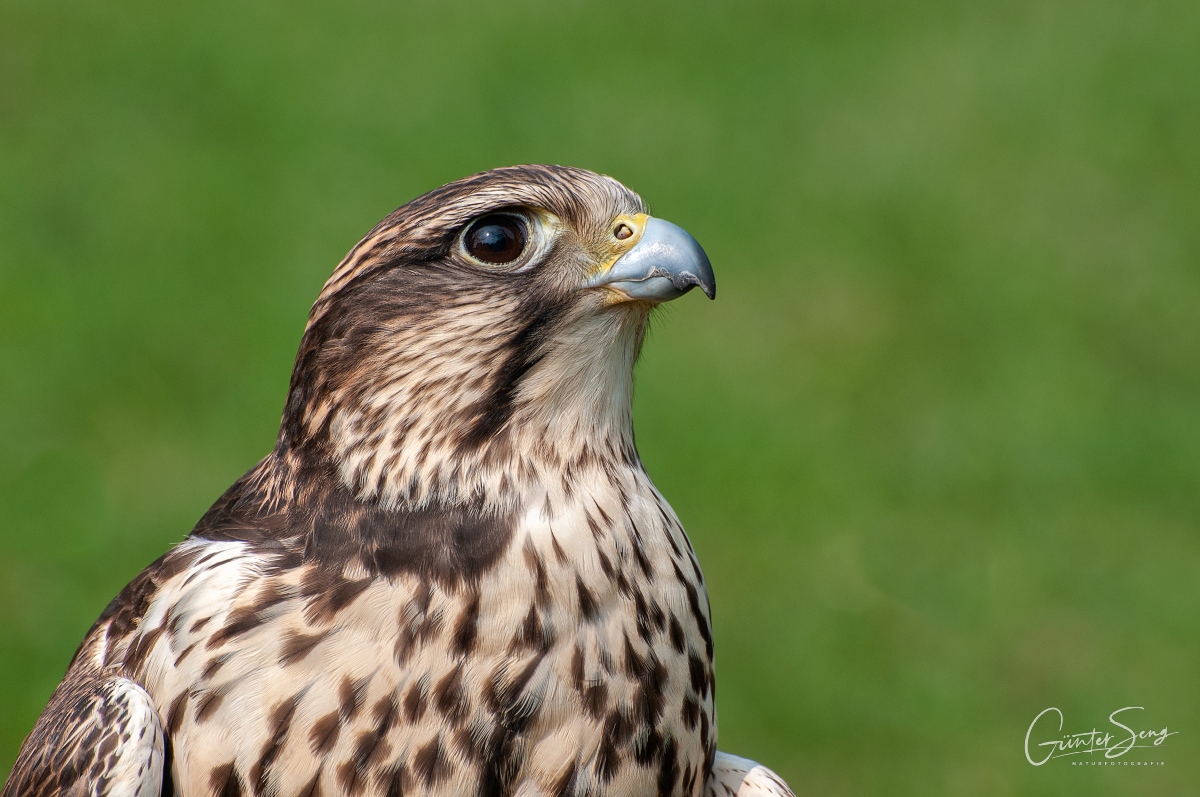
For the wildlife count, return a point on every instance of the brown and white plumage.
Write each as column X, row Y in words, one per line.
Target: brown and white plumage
column 452, row 575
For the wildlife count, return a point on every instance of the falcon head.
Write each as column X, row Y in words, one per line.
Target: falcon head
column 481, row 339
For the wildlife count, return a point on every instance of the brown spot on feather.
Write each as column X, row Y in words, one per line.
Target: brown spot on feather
column 280, row 722
column 450, row 697
column 324, row 733
column 225, row 781
column 588, row 607
column 240, row 621
column 559, row 553
column 209, row 701
column 296, row 645
column 415, row 699
column 175, row 713
column 430, row 764
column 467, row 628
column 350, row 695
column 184, row 654
column 533, row 560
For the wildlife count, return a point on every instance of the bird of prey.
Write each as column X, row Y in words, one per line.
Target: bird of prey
column 452, row 574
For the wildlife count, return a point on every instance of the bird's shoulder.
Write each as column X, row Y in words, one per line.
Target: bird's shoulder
column 98, row 735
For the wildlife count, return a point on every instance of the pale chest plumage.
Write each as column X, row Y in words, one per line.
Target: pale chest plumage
column 581, row 659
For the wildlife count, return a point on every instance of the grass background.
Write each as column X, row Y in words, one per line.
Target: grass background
column 937, row 442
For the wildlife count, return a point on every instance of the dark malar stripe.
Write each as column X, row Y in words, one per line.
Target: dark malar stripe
column 495, row 409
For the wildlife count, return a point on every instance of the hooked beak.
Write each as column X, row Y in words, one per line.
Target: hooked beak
column 664, row 264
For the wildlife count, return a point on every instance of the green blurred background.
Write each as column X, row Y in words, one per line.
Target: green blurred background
column 937, row 442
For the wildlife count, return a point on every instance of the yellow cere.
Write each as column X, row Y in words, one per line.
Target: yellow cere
column 614, row 248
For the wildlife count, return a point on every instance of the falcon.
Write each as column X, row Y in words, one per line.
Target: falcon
column 452, row 575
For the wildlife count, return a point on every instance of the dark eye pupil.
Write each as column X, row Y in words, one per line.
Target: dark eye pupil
column 496, row 239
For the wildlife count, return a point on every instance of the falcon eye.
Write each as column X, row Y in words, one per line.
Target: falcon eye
column 622, row 232
column 496, row 239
